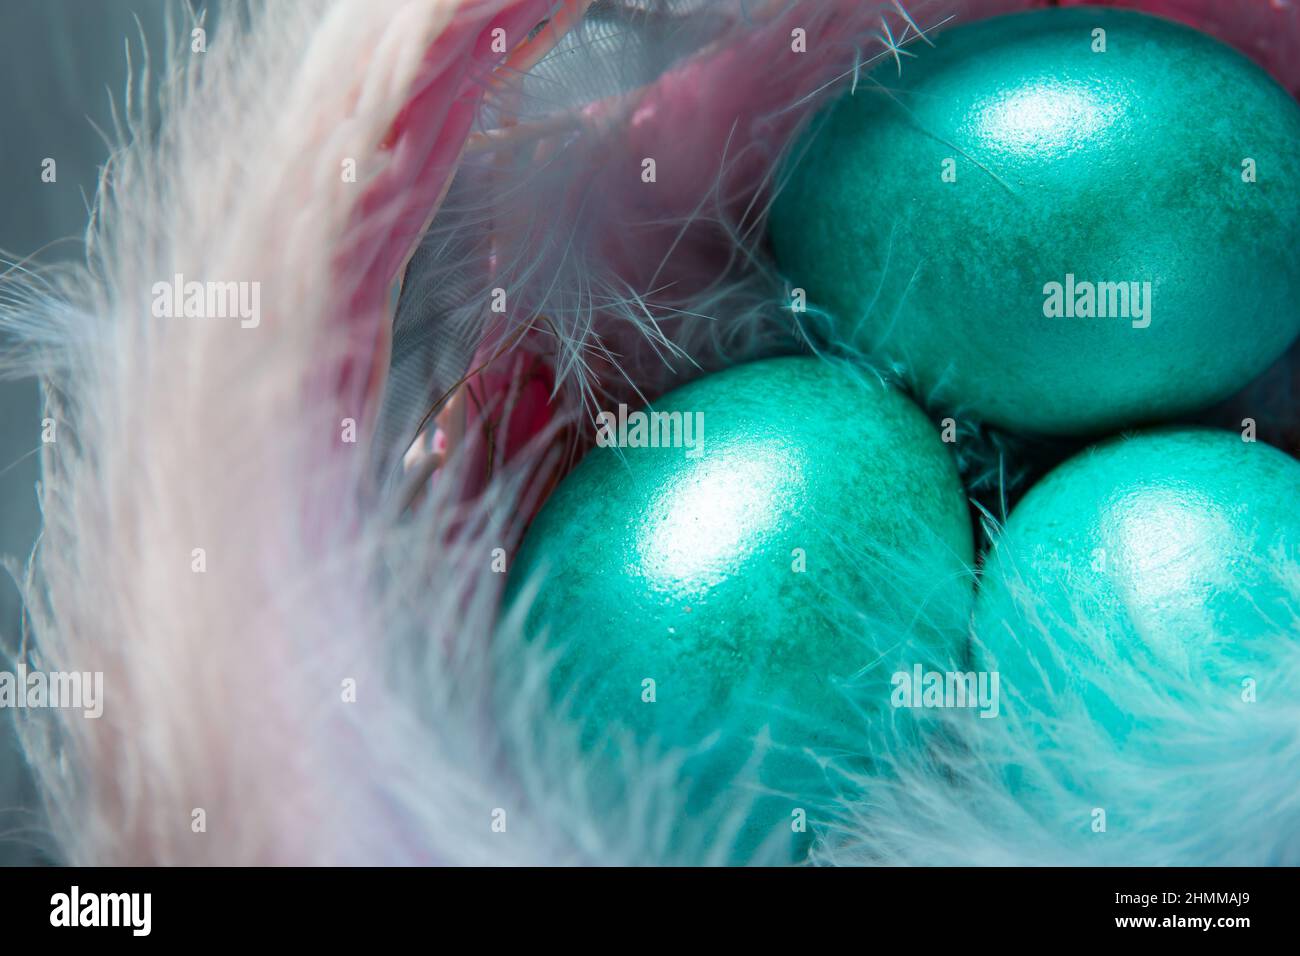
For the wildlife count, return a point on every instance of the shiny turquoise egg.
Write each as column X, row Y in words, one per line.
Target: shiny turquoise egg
column 742, row 599
column 1148, row 568
column 1061, row 221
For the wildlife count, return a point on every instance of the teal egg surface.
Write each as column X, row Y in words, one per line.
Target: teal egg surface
column 1160, row 555
column 1062, row 221
column 761, row 585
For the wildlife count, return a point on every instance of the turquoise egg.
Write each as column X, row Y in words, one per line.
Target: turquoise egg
column 1146, row 569
column 744, row 601
column 1062, row 221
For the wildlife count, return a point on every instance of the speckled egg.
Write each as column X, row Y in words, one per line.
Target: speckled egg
column 1061, row 221
column 1150, row 566
column 752, row 585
